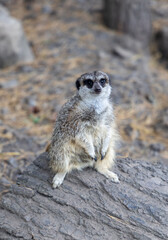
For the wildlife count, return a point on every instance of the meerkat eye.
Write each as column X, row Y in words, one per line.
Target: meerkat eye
column 102, row 81
column 88, row 83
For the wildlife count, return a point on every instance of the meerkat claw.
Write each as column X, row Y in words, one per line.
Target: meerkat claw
column 95, row 159
column 102, row 156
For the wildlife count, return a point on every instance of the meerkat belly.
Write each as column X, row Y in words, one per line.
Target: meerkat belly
column 75, row 152
column 98, row 133
column 98, row 139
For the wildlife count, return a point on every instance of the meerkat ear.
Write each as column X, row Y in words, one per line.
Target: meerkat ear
column 78, row 83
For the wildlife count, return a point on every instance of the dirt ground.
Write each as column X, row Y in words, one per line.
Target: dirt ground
column 69, row 38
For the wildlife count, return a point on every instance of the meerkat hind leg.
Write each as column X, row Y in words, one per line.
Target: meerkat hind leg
column 58, row 179
column 103, row 166
column 109, row 174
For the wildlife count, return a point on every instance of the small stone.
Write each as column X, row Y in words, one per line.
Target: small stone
column 9, row 84
column 4, row 111
column 150, row 98
column 128, row 130
column 31, row 101
column 47, row 9
column 25, row 68
column 4, row 181
column 27, row 218
column 4, row 131
column 13, row 162
column 121, row 52
column 158, row 147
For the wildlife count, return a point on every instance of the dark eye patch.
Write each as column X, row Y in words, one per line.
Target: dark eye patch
column 102, row 82
column 88, row 83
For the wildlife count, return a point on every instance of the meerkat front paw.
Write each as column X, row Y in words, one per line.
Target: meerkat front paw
column 58, row 179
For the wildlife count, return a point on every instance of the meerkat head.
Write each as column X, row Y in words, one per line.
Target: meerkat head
column 95, row 84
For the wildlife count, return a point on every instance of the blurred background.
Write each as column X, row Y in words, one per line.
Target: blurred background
column 46, row 45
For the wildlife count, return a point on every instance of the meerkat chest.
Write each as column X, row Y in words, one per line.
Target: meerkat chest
column 99, row 105
column 96, row 105
column 95, row 114
column 98, row 128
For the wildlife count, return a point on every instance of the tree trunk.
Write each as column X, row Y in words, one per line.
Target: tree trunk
column 87, row 205
column 132, row 17
column 162, row 42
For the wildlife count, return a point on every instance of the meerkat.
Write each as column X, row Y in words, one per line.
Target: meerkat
column 85, row 133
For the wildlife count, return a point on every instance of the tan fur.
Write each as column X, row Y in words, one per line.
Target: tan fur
column 85, row 132
column 48, row 147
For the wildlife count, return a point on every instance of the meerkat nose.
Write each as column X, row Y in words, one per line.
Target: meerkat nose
column 97, row 88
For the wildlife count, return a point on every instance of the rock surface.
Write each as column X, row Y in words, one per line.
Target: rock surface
column 69, row 41
column 13, row 44
column 87, row 205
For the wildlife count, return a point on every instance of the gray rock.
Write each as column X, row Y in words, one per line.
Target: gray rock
column 87, row 205
column 14, row 47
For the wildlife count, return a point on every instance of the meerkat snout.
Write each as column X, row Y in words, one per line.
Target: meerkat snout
column 85, row 133
column 97, row 87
